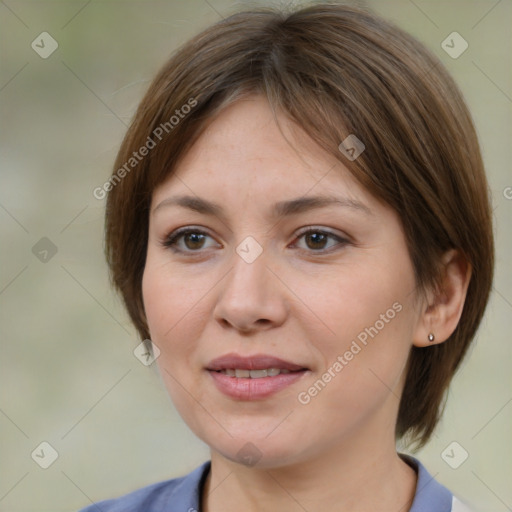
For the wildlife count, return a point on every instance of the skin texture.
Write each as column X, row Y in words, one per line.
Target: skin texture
column 304, row 300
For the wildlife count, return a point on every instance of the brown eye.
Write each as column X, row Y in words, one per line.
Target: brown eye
column 189, row 240
column 316, row 240
column 193, row 240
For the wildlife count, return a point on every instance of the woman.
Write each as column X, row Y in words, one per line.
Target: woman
column 299, row 221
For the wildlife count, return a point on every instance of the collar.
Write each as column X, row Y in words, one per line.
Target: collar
column 430, row 494
column 183, row 494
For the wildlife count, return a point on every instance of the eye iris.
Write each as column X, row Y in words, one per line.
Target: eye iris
column 196, row 237
column 316, row 238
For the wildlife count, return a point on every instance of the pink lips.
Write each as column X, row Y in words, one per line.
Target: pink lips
column 255, row 362
column 249, row 388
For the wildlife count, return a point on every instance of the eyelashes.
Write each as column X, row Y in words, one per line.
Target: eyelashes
column 196, row 238
column 171, row 241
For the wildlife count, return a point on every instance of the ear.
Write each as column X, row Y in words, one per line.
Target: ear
column 444, row 309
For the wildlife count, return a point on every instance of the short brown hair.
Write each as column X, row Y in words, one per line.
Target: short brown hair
column 335, row 70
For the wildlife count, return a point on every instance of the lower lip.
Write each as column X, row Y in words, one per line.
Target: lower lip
column 254, row 389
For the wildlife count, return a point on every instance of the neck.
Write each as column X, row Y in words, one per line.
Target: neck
column 357, row 474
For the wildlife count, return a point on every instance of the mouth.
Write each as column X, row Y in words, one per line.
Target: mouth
column 256, row 363
column 240, row 373
column 253, row 378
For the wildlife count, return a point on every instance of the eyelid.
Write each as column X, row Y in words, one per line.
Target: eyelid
column 322, row 229
column 169, row 241
column 342, row 240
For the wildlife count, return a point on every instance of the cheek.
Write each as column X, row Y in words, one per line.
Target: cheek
column 172, row 301
column 362, row 369
column 363, row 327
column 353, row 300
column 175, row 315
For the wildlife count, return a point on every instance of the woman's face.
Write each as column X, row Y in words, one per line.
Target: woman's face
column 337, row 302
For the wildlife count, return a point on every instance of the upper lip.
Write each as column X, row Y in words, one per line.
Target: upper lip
column 255, row 362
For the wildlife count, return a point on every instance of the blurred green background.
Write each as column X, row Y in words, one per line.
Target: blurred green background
column 69, row 375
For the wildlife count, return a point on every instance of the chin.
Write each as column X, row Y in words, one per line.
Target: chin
column 257, row 451
column 251, row 456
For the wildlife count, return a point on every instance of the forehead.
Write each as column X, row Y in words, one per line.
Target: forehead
column 243, row 154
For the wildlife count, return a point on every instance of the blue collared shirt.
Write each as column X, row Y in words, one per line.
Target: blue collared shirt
column 184, row 495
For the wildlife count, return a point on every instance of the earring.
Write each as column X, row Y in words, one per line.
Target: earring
column 431, row 337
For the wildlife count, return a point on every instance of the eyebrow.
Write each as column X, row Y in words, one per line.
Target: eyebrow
column 279, row 210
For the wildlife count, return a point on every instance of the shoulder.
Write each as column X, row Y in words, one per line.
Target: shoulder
column 430, row 494
column 181, row 494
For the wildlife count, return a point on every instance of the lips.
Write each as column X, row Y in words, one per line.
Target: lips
column 256, row 377
column 234, row 361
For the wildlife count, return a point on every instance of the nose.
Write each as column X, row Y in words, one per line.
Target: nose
column 251, row 296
